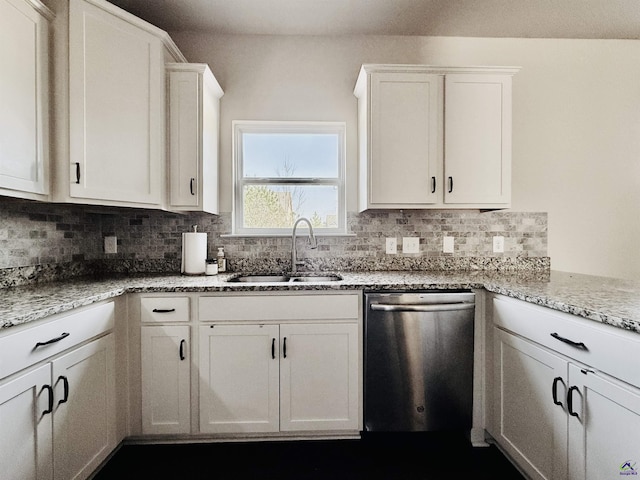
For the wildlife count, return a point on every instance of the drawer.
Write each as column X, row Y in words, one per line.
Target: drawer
column 164, row 309
column 602, row 347
column 29, row 346
column 279, row 307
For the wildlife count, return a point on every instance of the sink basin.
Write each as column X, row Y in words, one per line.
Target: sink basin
column 317, row 278
column 284, row 278
column 260, row 279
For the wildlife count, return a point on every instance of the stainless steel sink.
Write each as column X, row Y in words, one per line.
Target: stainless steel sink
column 284, row 278
column 317, row 278
column 260, row 279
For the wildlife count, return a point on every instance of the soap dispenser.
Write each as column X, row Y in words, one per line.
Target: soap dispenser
column 222, row 262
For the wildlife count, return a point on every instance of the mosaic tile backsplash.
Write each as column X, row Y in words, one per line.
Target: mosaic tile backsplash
column 42, row 242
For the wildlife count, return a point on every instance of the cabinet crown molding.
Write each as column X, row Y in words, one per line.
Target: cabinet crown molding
column 169, row 44
column 369, row 68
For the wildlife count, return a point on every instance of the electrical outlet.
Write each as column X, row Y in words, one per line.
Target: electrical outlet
column 410, row 245
column 111, row 244
column 498, row 244
column 392, row 245
column 447, row 244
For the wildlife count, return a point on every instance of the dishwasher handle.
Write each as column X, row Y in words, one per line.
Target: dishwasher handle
column 436, row 307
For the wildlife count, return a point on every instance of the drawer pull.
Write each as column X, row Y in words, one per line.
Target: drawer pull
column 53, row 340
column 65, row 383
column 182, row 344
column 163, row 310
column 554, row 391
column 50, row 406
column 570, row 402
column 579, row 345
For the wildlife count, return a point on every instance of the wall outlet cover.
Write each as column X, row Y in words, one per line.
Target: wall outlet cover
column 498, row 244
column 410, row 245
column 111, row 244
column 391, row 245
column 447, row 244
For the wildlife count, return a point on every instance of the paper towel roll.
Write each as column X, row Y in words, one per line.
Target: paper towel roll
column 194, row 253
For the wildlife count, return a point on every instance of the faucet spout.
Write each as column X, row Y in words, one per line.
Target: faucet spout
column 312, row 241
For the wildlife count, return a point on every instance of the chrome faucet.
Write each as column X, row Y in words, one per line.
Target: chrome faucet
column 312, row 242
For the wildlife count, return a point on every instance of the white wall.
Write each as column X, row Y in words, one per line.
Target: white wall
column 576, row 145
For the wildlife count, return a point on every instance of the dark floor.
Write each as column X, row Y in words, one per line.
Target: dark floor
column 430, row 456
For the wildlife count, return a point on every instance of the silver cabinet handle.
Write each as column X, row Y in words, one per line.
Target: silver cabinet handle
column 439, row 307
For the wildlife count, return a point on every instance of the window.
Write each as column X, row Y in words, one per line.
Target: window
column 287, row 170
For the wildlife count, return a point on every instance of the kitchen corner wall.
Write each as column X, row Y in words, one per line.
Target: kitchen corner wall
column 44, row 242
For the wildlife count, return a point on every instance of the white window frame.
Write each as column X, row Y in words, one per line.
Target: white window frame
column 241, row 127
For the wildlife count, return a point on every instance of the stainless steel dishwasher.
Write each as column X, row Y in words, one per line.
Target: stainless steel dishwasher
column 418, row 361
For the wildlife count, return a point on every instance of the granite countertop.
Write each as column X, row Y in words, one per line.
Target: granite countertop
column 606, row 300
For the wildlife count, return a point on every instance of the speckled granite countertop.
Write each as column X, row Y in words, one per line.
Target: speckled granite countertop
column 606, row 300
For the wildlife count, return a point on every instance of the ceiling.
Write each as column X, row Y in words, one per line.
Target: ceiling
column 615, row 19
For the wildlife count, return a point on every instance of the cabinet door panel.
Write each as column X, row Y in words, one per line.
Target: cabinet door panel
column 166, row 396
column 239, row 378
column 477, row 139
column 185, row 141
column 26, row 438
column 116, row 108
column 84, row 425
column 319, row 377
column 605, row 438
column 405, row 139
column 530, row 427
column 24, row 88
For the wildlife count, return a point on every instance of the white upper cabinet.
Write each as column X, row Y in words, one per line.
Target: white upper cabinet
column 110, row 84
column 194, row 126
column 434, row 137
column 477, row 142
column 24, row 96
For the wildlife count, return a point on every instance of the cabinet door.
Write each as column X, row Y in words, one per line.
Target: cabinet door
column 194, row 109
column 184, row 138
column 478, row 139
column 530, row 426
column 26, row 439
column 405, row 135
column 239, row 378
column 116, row 85
column 319, row 387
column 24, row 87
column 166, row 396
column 84, row 414
column 604, row 439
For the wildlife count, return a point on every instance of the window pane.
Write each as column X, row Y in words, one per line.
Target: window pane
column 274, row 206
column 282, row 155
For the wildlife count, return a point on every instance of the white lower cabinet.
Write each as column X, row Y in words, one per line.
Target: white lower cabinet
column 279, row 377
column 84, row 417
column 604, row 432
column 166, row 370
column 58, row 420
column 531, row 427
column 25, row 422
column 239, row 377
column 557, row 417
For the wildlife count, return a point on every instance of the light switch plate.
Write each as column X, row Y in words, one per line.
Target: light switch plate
column 447, row 244
column 392, row 245
column 498, row 244
column 111, row 244
column 410, row 245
